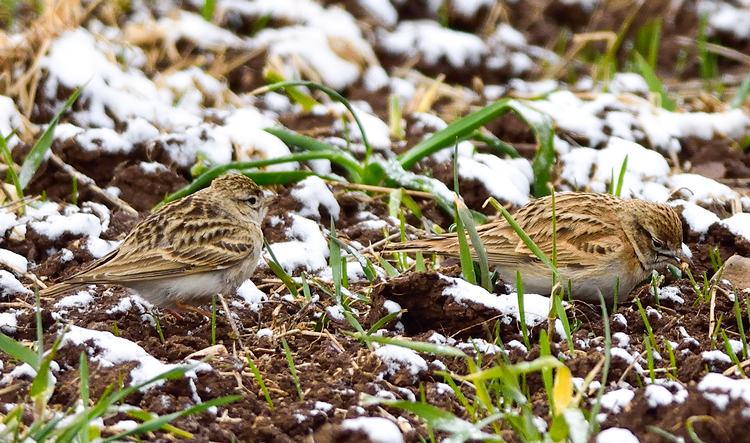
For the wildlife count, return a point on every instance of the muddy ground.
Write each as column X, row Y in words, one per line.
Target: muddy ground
column 335, row 368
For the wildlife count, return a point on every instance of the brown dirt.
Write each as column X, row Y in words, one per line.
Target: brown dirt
column 336, row 369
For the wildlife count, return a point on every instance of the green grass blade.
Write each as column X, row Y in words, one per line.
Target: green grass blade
column 336, row 264
column 390, row 271
column 355, row 324
column 458, row 130
column 363, row 261
column 525, row 238
column 384, row 320
column 306, row 288
column 461, row 430
column 335, row 95
column 309, row 144
column 494, row 143
column 159, row 422
column 456, row 182
column 621, row 178
column 524, row 367
column 617, row 294
column 83, row 370
column 207, row 10
column 11, row 166
column 463, row 128
column 290, row 362
column 467, row 221
column 41, row 431
column 396, row 174
column 706, row 60
column 742, row 93
column 402, row 262
column 411, row 205
column 522, row 311
column 419, row 262
column 259, row 380
column 654, row 41
column 413, row 345
column 593, row 423
column 654, row 84
column 644, row 317
column 280, row 272
column 36, row 155
column 144, row 416
column 467, row 265
column 395, row 117
column 546, row 351
column 672, row 359
column 649, row 358
column 398, row 197
column 730, row 352
column 394, row 202
column 563, row 316
column 740, row 326
column 205, row 179
column 296, row 94
column 665, row 435
column 19, row 352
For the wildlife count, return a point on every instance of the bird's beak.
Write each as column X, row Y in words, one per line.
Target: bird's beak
column 683, row 258
column 680, row 259
column 270, row 197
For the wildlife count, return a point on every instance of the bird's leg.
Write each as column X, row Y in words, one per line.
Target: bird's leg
column 192, row 308
column 175, row 314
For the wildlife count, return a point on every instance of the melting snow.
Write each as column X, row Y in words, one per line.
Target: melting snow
column 536, row 307
column 313, row 193
column 397, row 357
column 431, row 42
column 251, row 295
column 378, row 429
column 738, row 224
column 13, row 260
column 308, row 249
column 616, row 400
column 107, row 350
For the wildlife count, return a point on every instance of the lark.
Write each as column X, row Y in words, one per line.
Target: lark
column 601, row 239
column 189, row 250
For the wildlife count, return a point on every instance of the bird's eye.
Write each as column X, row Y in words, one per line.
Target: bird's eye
column 657, row 244
column 252, row 200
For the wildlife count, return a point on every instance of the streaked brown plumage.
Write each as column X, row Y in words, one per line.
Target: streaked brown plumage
column 187, row 251
column 600, row 237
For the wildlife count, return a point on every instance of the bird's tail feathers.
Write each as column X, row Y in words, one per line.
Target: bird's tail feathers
column 432, row 245
column 55, row 290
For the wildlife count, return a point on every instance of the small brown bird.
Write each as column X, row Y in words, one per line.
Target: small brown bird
column 187, row 251
column 600, row 237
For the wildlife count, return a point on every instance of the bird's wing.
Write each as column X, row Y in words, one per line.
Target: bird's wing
column 67, row 285
column 223, row 245
column 581, row 238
